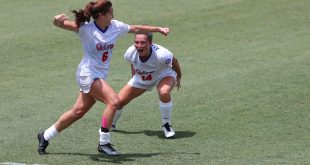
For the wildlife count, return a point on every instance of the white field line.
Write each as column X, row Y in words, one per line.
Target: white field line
column 14, row 163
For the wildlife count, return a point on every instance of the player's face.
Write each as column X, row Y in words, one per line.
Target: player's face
column 108, row 16
column 142, row 44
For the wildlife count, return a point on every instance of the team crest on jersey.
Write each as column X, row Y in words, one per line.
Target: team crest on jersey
column 168, row 61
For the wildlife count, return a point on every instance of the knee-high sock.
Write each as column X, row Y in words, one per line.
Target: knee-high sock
column 165, row 109
column 117, row 115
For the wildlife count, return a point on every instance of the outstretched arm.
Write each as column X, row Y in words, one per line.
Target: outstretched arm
column 147, row 29
column 62, row 21
column 176, row 67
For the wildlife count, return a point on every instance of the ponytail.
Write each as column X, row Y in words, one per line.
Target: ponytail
column 81, row 17
column 92, row 9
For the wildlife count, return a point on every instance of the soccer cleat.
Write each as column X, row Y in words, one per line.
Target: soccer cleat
column 42, row 143
column 108, row 149
column 113, row 128
column 169, row 132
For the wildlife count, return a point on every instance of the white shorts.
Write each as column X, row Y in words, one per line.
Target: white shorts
column 134, row 83
column 85, row 82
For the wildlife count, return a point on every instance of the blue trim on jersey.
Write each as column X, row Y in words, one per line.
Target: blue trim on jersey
column 99, row 28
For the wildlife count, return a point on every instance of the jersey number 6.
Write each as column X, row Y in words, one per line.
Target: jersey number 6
column 105, row 56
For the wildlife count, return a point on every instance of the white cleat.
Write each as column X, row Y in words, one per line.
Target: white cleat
column 169, row 132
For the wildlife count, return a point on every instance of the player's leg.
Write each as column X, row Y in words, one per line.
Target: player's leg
column 102, row 91
column 164, row 88
column 82, row 105
column 126, row 94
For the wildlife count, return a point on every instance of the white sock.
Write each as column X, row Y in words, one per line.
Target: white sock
column 165, row 109
column 117, row 115
column 104, row 138
column 50, row 133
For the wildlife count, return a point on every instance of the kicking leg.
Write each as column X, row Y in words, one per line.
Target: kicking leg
column 82, row 105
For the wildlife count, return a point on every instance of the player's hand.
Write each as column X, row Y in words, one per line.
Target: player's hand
column 178, row 83
column 59, row 19
column 164, row 31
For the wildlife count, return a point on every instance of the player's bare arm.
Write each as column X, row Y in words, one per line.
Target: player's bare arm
column 133, row 72
column 176, row 67
column 62, row 21
column 146, row 29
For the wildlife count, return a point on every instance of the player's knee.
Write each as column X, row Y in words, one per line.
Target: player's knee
column 164, row 93
column 114, row 102
column 78, row 113
column 122, row 103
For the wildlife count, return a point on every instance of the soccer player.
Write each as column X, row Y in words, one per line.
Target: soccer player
column 152, row 66
column 97, row 36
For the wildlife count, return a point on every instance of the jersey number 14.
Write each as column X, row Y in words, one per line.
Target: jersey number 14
column 147, row 77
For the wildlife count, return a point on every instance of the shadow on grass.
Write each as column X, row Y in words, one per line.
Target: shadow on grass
column 128, row 132
column 111, row 159
column 178, row 134
column 160, row 134
column 122, row 158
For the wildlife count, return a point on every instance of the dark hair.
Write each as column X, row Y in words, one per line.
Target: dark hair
column 150, row 36
column 92, row 9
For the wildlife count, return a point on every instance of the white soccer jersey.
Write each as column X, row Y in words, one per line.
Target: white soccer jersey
column 97, row 47
column 150, row 71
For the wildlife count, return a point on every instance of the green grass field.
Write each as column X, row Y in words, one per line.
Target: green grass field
column 245, row 96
